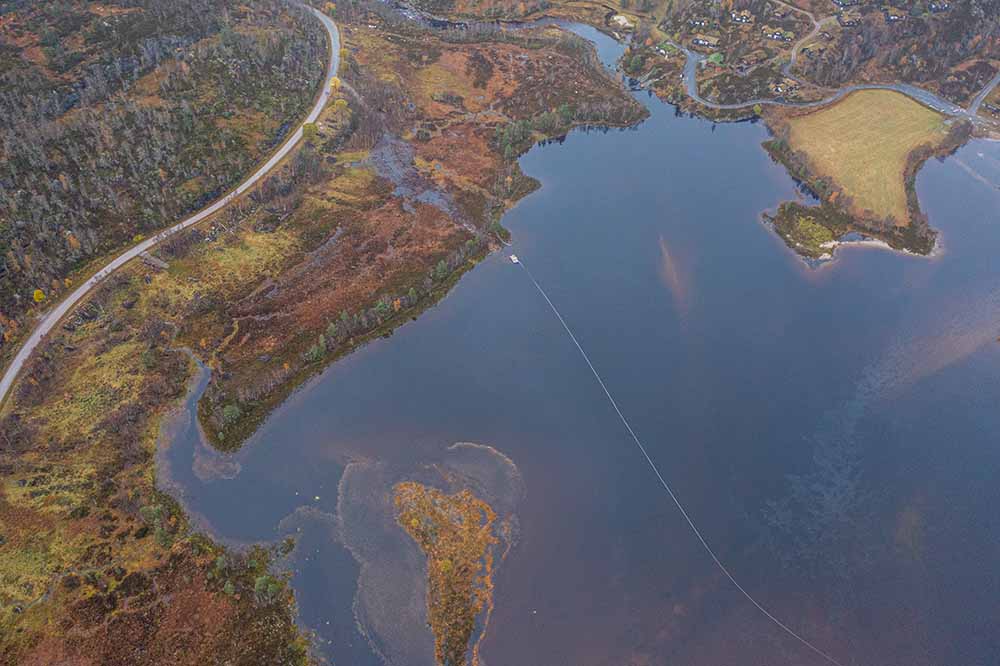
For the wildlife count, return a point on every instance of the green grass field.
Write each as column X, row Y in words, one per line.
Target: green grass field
column 862, row 143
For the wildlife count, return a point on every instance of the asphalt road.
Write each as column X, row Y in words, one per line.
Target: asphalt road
column 56, row 314
column 923, row 96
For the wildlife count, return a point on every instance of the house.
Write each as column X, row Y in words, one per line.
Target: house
column 993, row 109
column 784, row 87
column 666, row 49
column 707, row 41
column 753, row 58
column 788, row 85
column 622, row 22
column 894, row 14
column 814, row 50
column 777, row 34
column 743, row 16
column 699, row 23
column 940, row 6
column 849, row 19
column 846, row 3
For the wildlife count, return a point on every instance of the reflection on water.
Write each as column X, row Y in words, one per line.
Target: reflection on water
column 832, row 431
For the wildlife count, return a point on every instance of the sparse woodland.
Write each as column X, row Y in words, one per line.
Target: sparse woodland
column 921, row 49
column 116, row 122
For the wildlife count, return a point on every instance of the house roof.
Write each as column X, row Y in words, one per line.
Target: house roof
column 708, row 39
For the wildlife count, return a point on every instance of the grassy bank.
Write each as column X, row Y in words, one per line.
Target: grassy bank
column 860, row 156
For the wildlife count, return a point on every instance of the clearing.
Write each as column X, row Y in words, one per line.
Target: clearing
column 863, row 142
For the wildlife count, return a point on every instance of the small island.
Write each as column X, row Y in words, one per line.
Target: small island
column 459, row 535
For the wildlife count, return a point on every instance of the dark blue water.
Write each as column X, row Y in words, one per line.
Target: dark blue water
column 874, row 379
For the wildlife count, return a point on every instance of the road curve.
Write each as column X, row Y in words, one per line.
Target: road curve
column 54, row 316
column 786, row 69
column 919, row 94
column 977, row 101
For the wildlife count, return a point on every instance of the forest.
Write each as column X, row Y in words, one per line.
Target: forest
column 117, row 119
column 922, row 48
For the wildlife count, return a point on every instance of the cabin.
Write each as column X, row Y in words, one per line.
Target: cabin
column 699, row 23
column 784, row 87
column 993, row 109
column 777, row 34
column 814, row 50
column 849, row 19
column 894, row 14
column 705, row 41
column 743, row 17
column 752, row 59
column 622, row 22
column 846, row 3
column 666, row 49
column 940, row 6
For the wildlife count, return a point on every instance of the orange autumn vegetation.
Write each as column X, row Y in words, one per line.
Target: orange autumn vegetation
column 456, row 533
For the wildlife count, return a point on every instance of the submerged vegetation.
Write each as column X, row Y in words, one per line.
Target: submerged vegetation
column 396, row 193
column 413, row 175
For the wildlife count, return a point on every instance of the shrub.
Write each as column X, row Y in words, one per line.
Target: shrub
column 148, row 358
column 317, row 351
column 231, row 413
column 266, row 589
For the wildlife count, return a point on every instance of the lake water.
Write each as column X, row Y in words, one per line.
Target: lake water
column 874, row 379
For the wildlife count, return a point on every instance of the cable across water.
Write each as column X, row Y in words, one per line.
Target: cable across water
column 666, row 486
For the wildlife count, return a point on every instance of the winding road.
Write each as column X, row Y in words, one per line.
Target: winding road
column 52, row 318
column 978, row 100
column 925, row 97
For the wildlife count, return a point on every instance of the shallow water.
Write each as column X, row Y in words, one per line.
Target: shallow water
column 735, row 363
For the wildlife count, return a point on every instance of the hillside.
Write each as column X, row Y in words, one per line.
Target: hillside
column 119, row 117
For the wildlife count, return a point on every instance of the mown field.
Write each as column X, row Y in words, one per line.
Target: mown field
column 862, row 143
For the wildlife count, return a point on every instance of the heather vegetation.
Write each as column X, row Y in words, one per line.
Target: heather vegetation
column 397, row 191
column 413, row 182
column 458, row 534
